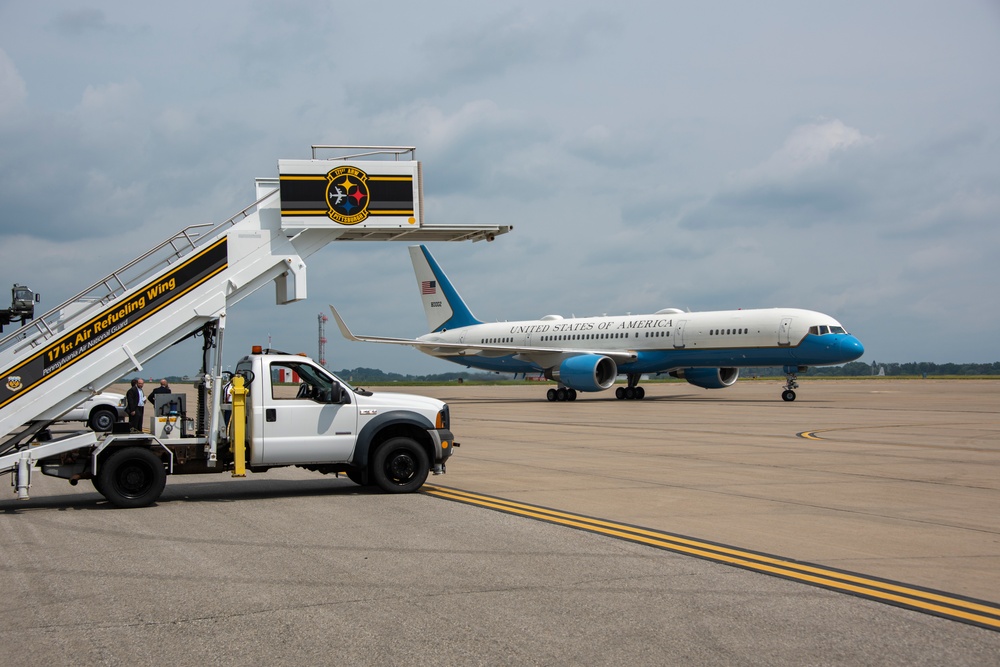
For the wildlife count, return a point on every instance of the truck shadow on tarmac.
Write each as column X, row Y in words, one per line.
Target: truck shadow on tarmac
column 201, row 492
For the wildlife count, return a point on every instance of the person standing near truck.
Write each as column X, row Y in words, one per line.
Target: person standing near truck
column 135, row 404
column 164, row 388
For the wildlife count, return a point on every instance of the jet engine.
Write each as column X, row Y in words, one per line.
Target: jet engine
column 586, row 372
column 709, row 378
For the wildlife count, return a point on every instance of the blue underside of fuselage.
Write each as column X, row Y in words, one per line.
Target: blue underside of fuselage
column 826, row 350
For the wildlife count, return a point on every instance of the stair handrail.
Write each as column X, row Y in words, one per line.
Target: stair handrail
column 367, row 151
column 44, row 330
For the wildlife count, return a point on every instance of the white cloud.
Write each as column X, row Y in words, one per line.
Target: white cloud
column 112, row 99
column 13, row 90
column 808, row 147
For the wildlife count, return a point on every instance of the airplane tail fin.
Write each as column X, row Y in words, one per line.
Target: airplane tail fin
column 443, row 305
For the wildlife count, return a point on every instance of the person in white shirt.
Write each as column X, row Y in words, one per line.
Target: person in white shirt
column 135, row 403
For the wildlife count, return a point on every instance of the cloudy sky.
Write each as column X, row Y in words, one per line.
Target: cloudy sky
column 837, row 156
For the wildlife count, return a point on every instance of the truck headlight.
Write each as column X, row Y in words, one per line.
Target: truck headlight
column 443, row 418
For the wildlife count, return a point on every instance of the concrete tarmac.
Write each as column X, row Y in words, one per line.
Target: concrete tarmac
column 901, row 479
column 898, row 479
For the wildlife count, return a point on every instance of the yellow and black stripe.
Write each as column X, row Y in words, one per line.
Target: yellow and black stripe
column 305, row 195
column 946, row 605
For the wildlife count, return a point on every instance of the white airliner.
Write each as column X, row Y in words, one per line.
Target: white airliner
column 588, row 353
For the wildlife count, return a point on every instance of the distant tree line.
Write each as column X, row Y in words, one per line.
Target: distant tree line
column 361, row 375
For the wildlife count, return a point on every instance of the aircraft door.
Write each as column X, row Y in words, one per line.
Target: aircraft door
column 784, row 330
column 679, row 334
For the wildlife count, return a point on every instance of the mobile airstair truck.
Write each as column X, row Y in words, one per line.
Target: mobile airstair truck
column 286, row 409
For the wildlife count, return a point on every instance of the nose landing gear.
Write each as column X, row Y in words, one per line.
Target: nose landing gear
column 791, row 384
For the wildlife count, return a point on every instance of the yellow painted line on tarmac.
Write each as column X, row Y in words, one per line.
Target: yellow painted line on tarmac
column 938, row 603
column 810, row 435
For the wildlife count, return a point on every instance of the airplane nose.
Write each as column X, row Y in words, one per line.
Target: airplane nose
column 851, row 348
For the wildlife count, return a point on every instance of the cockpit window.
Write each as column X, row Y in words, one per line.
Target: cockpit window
column 823, row 329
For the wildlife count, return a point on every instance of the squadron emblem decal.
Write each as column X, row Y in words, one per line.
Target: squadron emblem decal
column 347, row 195
column 13, row 382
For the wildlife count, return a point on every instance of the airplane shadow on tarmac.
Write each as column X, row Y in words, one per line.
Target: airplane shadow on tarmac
column 676, row 398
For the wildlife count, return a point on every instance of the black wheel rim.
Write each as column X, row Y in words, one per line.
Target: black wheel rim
column 400, row 467
column 133, row 479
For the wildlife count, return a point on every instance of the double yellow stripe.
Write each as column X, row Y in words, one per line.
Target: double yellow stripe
column 976, row 612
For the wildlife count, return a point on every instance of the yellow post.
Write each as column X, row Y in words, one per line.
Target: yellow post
column 237, row 424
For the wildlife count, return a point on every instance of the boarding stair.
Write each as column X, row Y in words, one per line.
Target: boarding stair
column 170, row 292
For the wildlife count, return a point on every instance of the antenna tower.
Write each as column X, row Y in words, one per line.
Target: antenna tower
column 322, row 339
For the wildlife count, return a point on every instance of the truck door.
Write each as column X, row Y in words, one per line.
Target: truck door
column 302, row 422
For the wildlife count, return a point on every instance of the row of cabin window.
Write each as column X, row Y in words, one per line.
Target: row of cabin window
column 599, row 336
column 816, row 330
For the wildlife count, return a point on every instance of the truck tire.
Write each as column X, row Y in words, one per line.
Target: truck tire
column 132, row 477
column 102, row 419
column 400, row 466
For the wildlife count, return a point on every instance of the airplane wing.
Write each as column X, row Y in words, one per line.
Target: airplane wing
column 429, row 347
column 544, row 357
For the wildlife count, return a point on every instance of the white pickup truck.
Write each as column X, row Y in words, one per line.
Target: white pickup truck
column 297, row 414
column 100, row 411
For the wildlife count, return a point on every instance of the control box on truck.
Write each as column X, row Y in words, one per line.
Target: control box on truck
column 292, row 412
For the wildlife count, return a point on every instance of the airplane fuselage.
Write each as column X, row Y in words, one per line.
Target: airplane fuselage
column 661, row 342
column 707, row 349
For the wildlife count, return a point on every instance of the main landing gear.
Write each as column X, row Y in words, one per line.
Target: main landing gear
column 561, row 394
column 633, row 391
column 790, row 385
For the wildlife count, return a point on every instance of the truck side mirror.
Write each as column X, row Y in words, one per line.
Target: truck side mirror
column 345, row 398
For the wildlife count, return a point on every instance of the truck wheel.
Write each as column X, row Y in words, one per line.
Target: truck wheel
column 132, row 477
column 400, row 466
column 102, row 419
